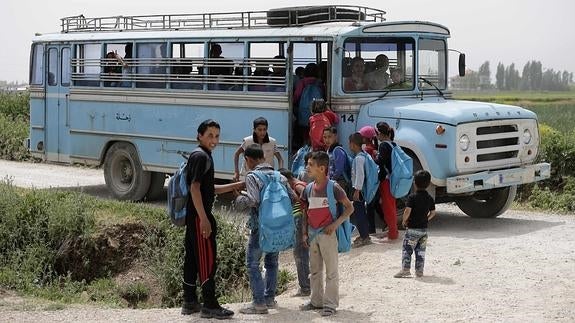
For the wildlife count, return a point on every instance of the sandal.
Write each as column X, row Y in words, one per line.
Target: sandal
column 327, row 311
column 309, row 307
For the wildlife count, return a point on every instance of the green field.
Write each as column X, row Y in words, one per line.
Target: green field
column 556, row 109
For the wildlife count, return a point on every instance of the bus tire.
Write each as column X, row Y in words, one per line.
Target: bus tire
column 156, row 191
column 488, row 204
column 123, row 173
column 310, row 14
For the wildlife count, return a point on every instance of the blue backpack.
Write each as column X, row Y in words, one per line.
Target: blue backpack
column 298, row 165
column 348, row 163
column 344, row 231
column 401, row 174
column 371, row 179
column 310, row 93
column 276, row 222
column 178, row 192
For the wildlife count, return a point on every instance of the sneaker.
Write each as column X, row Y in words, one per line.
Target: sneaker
column 189, row 308
column 419, row 274
column 254, row 309
column 404, row 273
column 301, row 293
column 219, row 313
column 309, row 307
column 271, row 303
column 360, row 242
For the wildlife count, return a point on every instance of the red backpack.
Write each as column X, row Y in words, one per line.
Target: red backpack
column 317, row 123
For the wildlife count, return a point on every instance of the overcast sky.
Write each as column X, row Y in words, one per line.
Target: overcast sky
column 507, row 31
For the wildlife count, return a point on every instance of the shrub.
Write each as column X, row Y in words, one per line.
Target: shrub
column 15, row 104
column 13, row 132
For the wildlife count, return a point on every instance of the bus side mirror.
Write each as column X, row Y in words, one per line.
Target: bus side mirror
column 461, row 64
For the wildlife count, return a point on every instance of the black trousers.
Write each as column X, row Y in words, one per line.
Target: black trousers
column 200, row 262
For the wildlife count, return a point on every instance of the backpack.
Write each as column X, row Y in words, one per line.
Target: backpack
column 310, row 92
column 275, row 220
column 317, row 123
column 401, row 175
column 298, row 164
column 344, row 231
column 371, row 179
column 178, row 192
column 348, row 162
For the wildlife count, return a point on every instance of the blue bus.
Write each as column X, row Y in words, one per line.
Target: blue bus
column 127, row 93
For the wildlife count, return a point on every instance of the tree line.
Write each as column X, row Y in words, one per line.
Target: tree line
column 533, row 78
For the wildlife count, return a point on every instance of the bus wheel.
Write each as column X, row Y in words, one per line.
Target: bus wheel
column 156, row 190
column 124, row 174
column 488, row 204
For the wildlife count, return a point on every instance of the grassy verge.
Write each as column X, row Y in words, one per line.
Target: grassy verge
column 68, row 247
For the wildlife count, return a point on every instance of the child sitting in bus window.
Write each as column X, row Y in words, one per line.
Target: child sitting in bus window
column 259, row 136
column 322, row 118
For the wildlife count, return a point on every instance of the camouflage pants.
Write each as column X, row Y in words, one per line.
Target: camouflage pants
column 415, row 241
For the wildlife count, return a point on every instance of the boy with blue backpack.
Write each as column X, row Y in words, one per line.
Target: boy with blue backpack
column 339, row 162
column 271, row 225
column 320, row 197
column 385, row 136
column 364, row 182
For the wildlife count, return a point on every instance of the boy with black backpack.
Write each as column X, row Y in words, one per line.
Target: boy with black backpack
column 258, row 183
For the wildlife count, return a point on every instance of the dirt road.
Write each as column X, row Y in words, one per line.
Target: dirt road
column 515, row 268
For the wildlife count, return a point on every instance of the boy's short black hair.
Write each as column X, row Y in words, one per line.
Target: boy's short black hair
column 286, row 173
column 320, row 157
column 356, row 138
column 307, row 156
column 331, row 129
column 422, row 179
column 261, row 121
column 318, row 106
column 206, row 124
column 254, row 151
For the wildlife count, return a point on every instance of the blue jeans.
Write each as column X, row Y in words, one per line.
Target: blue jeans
column 415, row 241
column 301, row 257
column 262, row 291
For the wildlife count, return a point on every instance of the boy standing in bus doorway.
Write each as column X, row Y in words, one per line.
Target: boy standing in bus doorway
column 201, row 227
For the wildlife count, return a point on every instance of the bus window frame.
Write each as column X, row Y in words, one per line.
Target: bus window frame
column 400, row 61
column 37, row 59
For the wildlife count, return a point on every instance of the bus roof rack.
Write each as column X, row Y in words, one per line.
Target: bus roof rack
column 281, row 17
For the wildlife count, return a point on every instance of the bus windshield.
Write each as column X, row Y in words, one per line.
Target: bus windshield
column 378, row 64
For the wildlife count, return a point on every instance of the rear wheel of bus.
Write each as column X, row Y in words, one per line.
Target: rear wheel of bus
column 123, row 173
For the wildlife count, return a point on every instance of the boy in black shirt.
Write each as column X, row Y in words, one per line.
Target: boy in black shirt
column 420, row 208
column 201, row 226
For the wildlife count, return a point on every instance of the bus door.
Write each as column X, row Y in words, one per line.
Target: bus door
column 309, row 59
column 57, row 103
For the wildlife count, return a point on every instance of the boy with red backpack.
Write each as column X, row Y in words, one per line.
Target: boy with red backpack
column 321, row 119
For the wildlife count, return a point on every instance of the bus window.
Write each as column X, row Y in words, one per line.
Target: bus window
column 377, row 64
column 115, row 65
column 65, row 67
column 221, row 63
column 37, row 70
column 53, row 67
column 86, row 65
column 151, row 65
column 185, row 65
column 432, row 63
column 267, row 65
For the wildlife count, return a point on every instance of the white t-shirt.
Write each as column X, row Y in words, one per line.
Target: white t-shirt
column 269, row 148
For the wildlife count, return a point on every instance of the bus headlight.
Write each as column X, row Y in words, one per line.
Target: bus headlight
column 464, row 142
column 526, row 136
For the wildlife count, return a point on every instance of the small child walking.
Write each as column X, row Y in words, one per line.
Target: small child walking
column 420, row 208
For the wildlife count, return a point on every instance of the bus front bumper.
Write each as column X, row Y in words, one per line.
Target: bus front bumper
column 499, row 178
